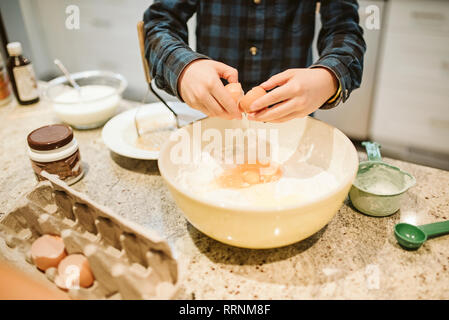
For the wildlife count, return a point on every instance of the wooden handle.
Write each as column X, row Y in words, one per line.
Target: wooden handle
column 146, row 67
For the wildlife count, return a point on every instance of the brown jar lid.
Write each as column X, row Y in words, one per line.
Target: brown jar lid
column 50, row 137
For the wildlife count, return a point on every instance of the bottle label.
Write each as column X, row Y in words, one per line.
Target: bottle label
column 26, row 82
column 4, row 86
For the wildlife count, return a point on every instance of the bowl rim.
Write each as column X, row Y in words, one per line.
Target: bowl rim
column 381, row 163
column 245, row 208
column 86, row 74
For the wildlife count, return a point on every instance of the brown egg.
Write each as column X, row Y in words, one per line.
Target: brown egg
column 47, row 251
column 251, row 96
column 74, row 270
column 236, row 91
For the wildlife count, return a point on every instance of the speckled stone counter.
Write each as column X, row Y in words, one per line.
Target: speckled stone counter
column 354, row 256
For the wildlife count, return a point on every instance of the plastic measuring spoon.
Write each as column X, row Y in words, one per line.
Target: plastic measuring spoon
column 412, row 237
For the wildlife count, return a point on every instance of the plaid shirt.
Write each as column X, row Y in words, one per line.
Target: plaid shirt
column 259, row 38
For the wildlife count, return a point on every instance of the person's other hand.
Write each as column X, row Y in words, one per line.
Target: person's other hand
column 299, row 92
column 201, row 88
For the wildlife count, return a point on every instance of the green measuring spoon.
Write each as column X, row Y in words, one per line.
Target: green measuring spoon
column 412, row 237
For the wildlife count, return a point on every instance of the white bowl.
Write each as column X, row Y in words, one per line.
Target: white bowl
column 100, row 96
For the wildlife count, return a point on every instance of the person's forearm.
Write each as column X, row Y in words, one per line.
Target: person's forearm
column 341, row 45
column 166, row 39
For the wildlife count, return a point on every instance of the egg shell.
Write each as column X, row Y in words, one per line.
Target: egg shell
column 47, row 251
column 251, row 96
column 236, row 91
column 86, row 278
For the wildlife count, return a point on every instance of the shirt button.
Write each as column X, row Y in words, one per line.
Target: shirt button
column 257, row 1
column 253, row 51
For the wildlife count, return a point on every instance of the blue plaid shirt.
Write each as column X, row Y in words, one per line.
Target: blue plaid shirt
column 259, row 38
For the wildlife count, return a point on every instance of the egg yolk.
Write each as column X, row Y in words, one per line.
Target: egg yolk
column 246, row 175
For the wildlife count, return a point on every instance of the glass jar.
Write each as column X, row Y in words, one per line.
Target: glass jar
column 53, row 148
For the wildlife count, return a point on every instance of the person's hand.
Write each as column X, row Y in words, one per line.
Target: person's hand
column 299, row 92
column 201, row 88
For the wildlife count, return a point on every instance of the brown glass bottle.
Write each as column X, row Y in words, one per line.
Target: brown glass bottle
column 22, row 76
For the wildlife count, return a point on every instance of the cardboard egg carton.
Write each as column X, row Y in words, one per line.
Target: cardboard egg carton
column 128, row 261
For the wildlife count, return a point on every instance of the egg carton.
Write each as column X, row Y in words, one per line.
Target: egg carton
column 127, row 261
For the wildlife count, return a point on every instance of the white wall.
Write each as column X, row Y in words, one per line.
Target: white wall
column 353, row 116
column 14, row 23
column 107, row 38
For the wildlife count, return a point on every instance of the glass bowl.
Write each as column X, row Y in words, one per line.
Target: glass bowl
column 101, row 92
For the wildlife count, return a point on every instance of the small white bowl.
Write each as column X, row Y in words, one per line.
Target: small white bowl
column 101, row 95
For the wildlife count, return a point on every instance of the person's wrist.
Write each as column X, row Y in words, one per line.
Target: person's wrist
column 181, row 76
column 331, row 81
column 183, row 73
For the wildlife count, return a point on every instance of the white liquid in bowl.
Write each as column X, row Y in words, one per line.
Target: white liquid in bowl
column 95, row 105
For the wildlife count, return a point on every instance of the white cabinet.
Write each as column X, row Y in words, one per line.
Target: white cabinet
column 411, row 109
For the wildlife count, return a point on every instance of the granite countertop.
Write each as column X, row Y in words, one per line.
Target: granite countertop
column 354, row 256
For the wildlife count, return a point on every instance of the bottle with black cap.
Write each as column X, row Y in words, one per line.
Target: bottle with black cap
column 22, row 75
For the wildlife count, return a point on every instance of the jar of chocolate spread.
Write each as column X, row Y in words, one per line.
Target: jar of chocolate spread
column 53, row 148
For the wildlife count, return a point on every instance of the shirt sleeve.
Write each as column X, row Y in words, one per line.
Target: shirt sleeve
column 341, row 45
column 166, row 41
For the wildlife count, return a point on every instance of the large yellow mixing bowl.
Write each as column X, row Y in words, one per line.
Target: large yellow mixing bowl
column 309, row 142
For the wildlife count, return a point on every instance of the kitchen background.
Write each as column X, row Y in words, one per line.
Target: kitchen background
column 403, row 102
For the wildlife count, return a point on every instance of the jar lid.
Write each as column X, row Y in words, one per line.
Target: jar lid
column 50, row 137
column 14, row 48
